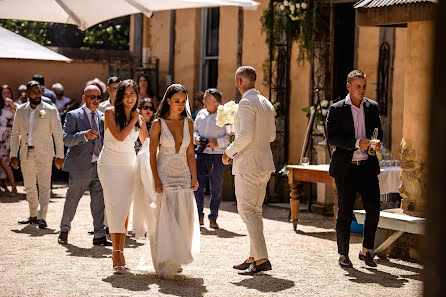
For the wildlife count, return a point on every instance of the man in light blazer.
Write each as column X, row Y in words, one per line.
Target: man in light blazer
column 83, row 135
column 36, row 124
column 255, row 128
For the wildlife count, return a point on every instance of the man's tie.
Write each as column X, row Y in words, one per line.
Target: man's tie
column 97, row 141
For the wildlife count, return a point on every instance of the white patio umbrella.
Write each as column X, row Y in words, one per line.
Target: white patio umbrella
column 86, row 13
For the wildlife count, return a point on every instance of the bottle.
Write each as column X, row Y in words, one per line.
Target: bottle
column 371, row 151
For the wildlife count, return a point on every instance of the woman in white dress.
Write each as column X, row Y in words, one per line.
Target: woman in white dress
column 174, row 238
column 117, row 164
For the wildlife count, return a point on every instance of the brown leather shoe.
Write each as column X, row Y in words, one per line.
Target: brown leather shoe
column 242, row 266
column 201, row 222
column 253, row 268
column 213, row 224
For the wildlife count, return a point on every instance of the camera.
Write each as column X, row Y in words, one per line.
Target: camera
column 201, row 147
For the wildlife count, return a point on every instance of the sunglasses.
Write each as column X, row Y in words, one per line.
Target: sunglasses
column 151, row 108
column 92, row 97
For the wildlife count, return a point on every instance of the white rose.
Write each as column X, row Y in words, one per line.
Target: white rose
column 286, row 3
column 312, row 108
column 292, row 8
column 42, row 113
column 324, row 112
column 103, row 118
column 304, row 5
column 324, row 103
column 298, row 5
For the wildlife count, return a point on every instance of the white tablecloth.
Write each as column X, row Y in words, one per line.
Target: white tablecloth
column 389, row 179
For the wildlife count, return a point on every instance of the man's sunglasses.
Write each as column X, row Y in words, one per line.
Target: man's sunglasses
column 151, row 108
column 92, row 97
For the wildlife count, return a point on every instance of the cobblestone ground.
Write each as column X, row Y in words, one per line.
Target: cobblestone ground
column 32, row 263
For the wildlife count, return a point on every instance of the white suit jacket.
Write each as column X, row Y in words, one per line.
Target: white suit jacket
column 255, row 128
column 46, row 127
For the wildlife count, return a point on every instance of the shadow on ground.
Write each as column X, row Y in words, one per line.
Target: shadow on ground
column 375, row 276
column 34, row 231
column 265, row 283
column 417, row 272
column 180, row 286
column 6, row 198
column 220, row 233
column 93, row 252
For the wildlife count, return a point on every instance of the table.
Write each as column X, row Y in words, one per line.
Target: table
column 388, row 181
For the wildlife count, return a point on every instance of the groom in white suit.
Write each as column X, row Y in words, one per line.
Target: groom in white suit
column 255, row 128
column 36, row 124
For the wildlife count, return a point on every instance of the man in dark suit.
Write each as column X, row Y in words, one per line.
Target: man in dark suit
column 350, row 125
column 83, row 135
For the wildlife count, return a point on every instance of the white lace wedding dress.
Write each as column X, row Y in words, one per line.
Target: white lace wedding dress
column 172, row 219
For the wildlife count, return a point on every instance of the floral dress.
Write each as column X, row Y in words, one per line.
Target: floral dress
column 6, row 120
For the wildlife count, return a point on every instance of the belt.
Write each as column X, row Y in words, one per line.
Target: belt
column 30, row 147
column 360, row 162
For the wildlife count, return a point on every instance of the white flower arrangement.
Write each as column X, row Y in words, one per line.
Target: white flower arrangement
column 42, row 113
column 226, row 114
column 294, row 8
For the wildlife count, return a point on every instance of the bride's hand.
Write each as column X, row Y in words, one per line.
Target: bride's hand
column 194, row 184
column 158, row 186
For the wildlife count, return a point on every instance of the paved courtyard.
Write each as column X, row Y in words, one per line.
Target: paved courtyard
column 32, row 263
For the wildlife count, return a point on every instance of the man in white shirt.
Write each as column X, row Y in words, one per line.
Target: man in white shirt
column 212, row 142
column 112, row 89
column 36, row 124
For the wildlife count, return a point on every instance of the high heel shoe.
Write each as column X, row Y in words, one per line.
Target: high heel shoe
column 119, row 269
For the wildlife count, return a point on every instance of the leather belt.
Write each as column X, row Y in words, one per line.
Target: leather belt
column 30, row 147
column 360, row 162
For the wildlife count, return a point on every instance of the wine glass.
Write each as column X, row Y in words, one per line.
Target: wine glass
column 305, row 161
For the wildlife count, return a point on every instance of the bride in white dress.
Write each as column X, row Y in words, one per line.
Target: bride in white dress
column 173, row 222
column 117, row 164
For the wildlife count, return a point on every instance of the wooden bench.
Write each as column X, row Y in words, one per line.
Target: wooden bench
column 394, row 219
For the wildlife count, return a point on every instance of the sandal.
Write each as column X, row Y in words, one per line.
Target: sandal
column 119, row 269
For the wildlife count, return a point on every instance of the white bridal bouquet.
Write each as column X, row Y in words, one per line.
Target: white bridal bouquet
column 225, row 118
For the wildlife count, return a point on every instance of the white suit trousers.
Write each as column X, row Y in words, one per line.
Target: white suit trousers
column 34, row 172
column 250, row 190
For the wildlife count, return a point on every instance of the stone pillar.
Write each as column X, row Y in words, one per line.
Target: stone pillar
column 416, row 115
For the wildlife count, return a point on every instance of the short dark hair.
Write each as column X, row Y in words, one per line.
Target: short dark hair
column 39, row 78
column 31, row 84
column 215, row 93
column 113, row 80
column 355, row 74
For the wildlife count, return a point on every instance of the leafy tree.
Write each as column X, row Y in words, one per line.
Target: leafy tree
column 111, row 34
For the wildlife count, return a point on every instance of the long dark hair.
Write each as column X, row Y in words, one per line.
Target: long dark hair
column 149, row 85
column 120, row 116
column 2, row 102
column 164, row 107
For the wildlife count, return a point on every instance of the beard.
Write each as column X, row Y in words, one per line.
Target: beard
column 35, row 101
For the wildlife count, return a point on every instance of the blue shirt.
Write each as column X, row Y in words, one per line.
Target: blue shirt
column 205, row 125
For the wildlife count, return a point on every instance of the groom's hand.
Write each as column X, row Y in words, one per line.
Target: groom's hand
column 225, row 159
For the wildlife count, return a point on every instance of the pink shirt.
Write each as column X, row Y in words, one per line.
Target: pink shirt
column 360, row 133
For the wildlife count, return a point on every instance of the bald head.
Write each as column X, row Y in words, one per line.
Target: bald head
column 92, row 97
column 91, row 88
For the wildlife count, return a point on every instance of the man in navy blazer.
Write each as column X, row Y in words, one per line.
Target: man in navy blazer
column 83, row 135
column 350, row 125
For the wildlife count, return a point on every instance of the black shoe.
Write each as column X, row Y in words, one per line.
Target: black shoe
column 63, row 238
column 242, row 266
column 345, row 262
column 368, row 259
column 30, row 220
column 253, row 268
column 91, row 232
column 102, row 241
column 42, row 224
column 107, row 231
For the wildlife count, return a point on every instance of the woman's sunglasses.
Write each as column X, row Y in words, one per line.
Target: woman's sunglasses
column 151, row 108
